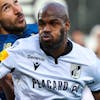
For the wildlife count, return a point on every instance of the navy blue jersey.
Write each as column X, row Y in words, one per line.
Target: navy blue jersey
column 30, row 29
column 6, row 40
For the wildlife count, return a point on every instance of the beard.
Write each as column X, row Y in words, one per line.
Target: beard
column 51, row 46
column 12, row 29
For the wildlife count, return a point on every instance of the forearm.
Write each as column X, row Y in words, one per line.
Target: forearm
column 7, row 87
column 96, row 95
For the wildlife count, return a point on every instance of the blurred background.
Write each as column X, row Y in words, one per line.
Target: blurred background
column 84, row 17
column 84, row 14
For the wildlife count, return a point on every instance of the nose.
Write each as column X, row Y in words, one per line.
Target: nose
column 47, row 28
column 16, row 9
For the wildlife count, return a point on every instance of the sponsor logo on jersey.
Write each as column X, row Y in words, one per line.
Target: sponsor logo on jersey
column 35, row 57
column 58, row 85
column 36, row 65
column 75, row 71
column 75, row 88
column 6, row 45
column 50, row 84
column 3, row 55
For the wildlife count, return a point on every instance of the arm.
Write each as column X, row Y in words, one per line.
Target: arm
column 96, row 95
column 5, row 82
column 7, row 86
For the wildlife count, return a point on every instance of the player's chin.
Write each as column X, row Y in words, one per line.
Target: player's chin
column 46, row 39
column 22, row 22
column 21, row 25
column 46, row 43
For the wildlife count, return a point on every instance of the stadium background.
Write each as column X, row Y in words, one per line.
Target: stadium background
column 84, row 14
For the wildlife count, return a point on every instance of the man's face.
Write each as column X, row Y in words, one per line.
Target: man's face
column 53, row 26
column 11, row 16
column 51, row 31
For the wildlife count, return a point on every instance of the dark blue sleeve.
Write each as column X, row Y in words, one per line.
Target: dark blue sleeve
column 30, row 29
column 6, row 39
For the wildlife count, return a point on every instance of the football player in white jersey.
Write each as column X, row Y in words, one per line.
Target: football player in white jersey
column 48, row 66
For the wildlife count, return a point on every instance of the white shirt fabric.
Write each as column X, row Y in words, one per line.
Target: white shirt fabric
column 38, row 77
column 87, row 95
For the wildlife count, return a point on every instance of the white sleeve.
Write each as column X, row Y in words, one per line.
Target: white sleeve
column 8, row 59
column 87, row 95
column 4, row 70
column 9, row 55
column 95, row 86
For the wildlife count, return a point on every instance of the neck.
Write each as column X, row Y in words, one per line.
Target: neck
column 2, row 31
column 57, row 51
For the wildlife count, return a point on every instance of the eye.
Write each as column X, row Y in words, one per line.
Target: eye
column 15, row 1
column 6, row 8
column 41, row 23
column 54, row 23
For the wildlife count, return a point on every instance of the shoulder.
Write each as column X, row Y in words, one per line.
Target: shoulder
column 83, row 55
column 25, row 44
column 29, row 40
column 30, row 29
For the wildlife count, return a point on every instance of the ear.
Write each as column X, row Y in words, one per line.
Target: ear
column 67, row 25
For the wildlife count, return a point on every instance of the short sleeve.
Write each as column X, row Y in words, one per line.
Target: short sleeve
column 95, row 85
column 8, row 56
column 3, row 70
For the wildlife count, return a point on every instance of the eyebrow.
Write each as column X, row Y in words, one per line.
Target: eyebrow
column 52, row 19
column 3, row 5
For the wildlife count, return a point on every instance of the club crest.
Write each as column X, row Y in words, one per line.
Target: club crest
column 6, row 45
column 75, row 71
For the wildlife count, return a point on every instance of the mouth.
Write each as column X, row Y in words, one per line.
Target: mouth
column 46, row 37
column 21, row 18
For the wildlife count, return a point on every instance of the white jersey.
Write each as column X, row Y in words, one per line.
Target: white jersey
column 37, row 77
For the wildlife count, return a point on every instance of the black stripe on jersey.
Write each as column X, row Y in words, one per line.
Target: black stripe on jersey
column 9, row 68
column 56, row 61
column 12, row 70
column 68, row 49
column 96, row 91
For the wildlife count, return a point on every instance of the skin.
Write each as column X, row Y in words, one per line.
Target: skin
column 12, row 20
column 7, row 86
column 53, row 26
column 96, row 95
